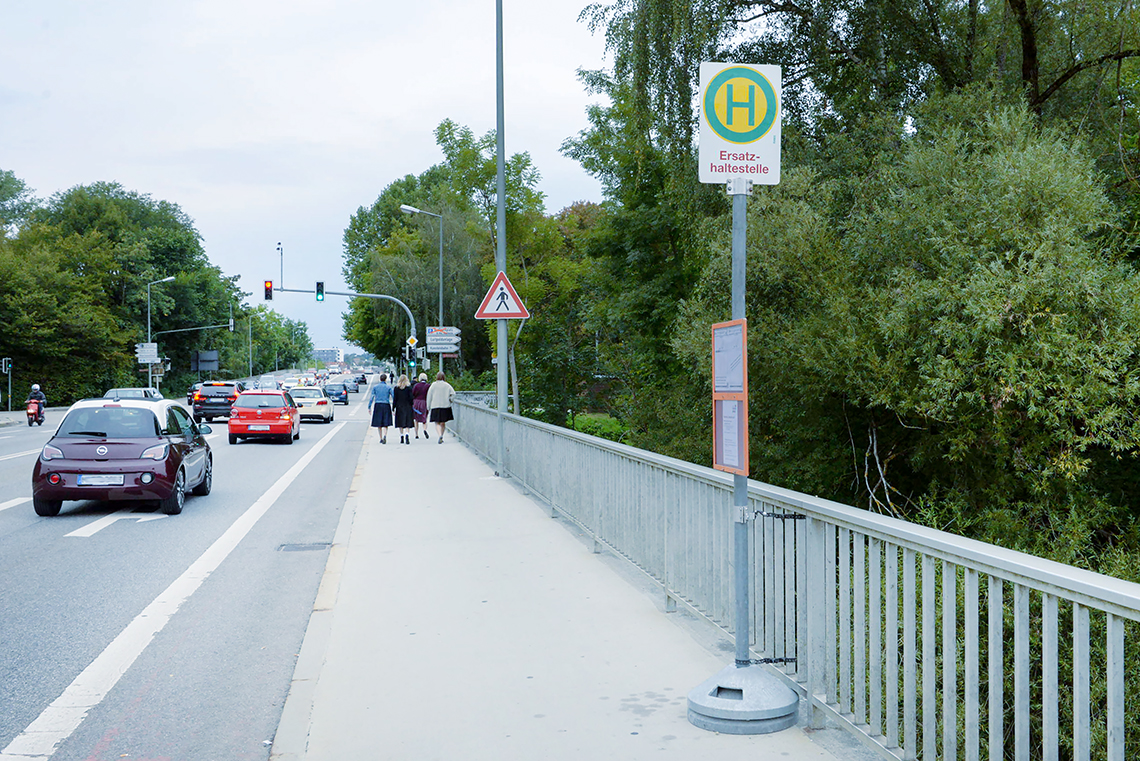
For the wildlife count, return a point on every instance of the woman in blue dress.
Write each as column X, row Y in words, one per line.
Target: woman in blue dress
column 380, row 402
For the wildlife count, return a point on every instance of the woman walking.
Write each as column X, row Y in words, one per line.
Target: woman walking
column 439, row 398
column 419, row 404
column 380, row 402
column 405, row 416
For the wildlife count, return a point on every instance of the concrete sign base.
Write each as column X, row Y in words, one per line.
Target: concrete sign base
column 744, row 700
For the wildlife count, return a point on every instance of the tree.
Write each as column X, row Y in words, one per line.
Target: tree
column 16, row 201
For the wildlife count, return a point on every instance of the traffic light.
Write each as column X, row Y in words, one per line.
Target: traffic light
column 269, row 290
column 320, row 291
column 6, row 365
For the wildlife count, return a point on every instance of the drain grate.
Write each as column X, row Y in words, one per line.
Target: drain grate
column 304, row 547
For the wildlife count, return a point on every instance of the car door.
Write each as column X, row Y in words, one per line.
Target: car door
column 183, row 435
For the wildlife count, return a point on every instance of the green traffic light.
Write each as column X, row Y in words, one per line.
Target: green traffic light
column 320, row 291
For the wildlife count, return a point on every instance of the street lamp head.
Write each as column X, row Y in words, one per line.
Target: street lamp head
column 164, row 280
column 409, row 209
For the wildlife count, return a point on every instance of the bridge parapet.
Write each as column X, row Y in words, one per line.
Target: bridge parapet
column 905, row 635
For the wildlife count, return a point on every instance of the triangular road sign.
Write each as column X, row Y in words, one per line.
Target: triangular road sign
column 501, row 302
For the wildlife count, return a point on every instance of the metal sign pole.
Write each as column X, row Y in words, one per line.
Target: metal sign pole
column 744, row 698
column 501, row 231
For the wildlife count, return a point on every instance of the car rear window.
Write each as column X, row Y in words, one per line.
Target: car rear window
column 306, row 393
column 260, row 401
column 110, row 423
column 217, row 390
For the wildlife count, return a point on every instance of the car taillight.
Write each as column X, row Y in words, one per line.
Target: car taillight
column 51, row 453
column 233, row 399
column 286, row 413
column 235, row 413
column 323, row 401
column 197, row 396
column 157, row 452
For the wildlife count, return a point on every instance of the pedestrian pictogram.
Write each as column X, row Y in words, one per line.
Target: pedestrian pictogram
column 502, row 302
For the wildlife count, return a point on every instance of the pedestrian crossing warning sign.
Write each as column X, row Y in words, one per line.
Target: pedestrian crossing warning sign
column 501, row 302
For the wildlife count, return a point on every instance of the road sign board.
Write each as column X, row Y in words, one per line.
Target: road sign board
column 442, row 348
column 502, row 302
column 442, row 331
column 740, row 123
column 147, row 353
column 412, row 341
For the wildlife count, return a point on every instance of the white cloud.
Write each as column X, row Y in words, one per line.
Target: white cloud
column 274, row 120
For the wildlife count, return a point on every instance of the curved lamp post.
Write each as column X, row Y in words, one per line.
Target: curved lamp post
column 413, row 210
column 149, row 375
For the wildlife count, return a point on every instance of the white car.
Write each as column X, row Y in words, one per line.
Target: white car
column 290, row 383
column 268, row 383
column 313, row 403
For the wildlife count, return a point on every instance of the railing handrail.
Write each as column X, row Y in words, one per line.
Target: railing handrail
column 1089, row 588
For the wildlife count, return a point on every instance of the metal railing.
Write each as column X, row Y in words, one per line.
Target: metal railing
column 907, row 636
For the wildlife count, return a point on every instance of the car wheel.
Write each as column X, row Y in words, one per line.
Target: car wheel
column 331, row 418
column 207, row 483
column 172, row 505
column 288, row 438
column 233, row 438
column 298, row 431
column 209, row 420
column 47, row 507
column 198, row 419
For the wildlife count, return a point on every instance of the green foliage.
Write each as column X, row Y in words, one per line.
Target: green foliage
column 73, row 293
column 597, row 424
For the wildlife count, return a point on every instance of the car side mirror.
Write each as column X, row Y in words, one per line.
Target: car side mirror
column 204, row 429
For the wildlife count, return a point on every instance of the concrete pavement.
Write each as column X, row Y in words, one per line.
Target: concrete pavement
column 456, row 620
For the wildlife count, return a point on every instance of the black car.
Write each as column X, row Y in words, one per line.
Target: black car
column 362, row 379
column 336, row 392
column 214, row 399
column 191, row 391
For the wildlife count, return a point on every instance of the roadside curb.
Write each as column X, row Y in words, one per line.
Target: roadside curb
column 290, row 743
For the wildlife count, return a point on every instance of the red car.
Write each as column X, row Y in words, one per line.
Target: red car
column 126, row 449
column 265, row 414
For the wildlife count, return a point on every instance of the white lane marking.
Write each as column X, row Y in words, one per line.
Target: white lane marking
column 67, row 712
column 14, row 502
column 96, row 526
column 21, row 454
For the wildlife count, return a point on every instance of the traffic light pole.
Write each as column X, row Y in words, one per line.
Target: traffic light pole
column 352, row 294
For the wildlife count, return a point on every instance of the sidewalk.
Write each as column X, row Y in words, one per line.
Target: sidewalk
column 456, row 620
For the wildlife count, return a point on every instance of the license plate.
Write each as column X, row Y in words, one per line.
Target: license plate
column 259, row 428
column 104, row 479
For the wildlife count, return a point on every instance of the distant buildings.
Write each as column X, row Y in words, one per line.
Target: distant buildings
column 328, row 356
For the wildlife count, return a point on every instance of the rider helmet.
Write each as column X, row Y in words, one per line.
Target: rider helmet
column 35, row 387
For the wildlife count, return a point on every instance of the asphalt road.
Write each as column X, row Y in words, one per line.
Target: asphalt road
column 227, row 588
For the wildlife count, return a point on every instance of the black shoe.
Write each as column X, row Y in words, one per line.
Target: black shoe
column 384, row 440
column 440, row 439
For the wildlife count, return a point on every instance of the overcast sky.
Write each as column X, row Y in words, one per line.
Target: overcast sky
column 272, row 121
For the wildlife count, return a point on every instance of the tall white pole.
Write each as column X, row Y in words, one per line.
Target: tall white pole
column 500, row 228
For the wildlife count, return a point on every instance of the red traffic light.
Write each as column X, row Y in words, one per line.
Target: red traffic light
column 269, row 290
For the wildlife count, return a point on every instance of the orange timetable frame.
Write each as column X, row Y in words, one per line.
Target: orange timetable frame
column 730, row 396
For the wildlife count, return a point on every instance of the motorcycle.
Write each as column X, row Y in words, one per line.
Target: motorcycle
column 35, row 412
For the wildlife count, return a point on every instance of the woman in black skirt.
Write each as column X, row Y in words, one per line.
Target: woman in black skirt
column 405, row 414
column 439, row 399
column 380, row 402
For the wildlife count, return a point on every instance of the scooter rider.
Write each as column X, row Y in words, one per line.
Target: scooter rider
column 37, row 395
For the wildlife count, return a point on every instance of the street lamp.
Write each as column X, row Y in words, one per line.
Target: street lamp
column 413, row 210
column 149, row 375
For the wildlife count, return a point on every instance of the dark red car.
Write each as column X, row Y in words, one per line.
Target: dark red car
column 129, row 449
